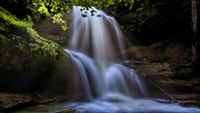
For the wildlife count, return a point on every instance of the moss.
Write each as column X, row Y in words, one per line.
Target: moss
column 14, row 21
column 37, row 43
column 27, row 60
column 2, row 28
column 42, row 45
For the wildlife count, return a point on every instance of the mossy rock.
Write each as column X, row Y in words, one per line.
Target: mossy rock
column 27, row 61
column 52, row 31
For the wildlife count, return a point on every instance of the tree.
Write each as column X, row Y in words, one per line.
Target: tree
column 195, row 40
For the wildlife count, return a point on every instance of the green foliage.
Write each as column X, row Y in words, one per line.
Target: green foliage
column 39, row 44
column 102, row 3
column 24, row 44
column 47, row 7
column 58, row 18
column 14, row 21
column 26, row 59
column 53, row 9
column 129, row 3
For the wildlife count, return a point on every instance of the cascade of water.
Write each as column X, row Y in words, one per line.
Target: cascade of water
column 96, row 46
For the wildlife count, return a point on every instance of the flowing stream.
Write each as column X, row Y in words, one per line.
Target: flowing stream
column 96, row 51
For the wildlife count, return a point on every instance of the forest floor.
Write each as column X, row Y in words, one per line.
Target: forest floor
column 164, row 65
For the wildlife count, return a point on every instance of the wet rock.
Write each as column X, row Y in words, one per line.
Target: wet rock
column 14, row 101
column 9, row 101
column 67, row 111
column 163, row 67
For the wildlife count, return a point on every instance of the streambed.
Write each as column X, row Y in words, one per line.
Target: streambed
column 112, row 103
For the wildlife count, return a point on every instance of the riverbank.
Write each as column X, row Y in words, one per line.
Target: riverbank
column 10, row 102
column 165, row 65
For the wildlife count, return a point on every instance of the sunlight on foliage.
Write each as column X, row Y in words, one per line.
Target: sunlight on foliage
column 42, row 9
column 12, row 20
column 58, row 18
column 103, row 4
column 53, row 9
column 37, row 44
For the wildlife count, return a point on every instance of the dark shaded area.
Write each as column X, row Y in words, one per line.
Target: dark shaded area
column 20, row 8
column 155, row 20
column 164, row 32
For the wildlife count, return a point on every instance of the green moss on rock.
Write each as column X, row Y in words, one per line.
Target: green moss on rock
column 27, row 61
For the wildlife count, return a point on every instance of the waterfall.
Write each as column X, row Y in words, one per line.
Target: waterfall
column 108, row 86
column 96, row 47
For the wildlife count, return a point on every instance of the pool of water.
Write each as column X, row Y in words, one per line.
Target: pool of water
column 113, row 104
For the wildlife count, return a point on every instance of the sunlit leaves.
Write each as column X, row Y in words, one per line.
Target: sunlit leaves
column 52, row 8
column 75, row 2
column 102, row 3
column 58, row 18
column 43, row 10
column 14, row 21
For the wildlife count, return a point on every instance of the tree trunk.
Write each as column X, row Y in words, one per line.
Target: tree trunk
column 195, row 41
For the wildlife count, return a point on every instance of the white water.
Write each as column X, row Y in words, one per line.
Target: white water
column 96, row 46
column 109, row 87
